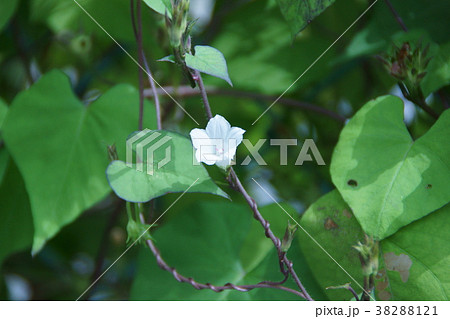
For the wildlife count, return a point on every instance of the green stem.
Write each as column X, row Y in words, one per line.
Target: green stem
column 129, row 213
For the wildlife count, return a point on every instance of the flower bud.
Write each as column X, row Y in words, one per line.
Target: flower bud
column 288, row 237
column 177, row 25
column 408, row 66
column 138, row 231
column 112, row 152
column 368, row 254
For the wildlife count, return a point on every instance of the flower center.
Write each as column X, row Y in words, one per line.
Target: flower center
column 219, row 150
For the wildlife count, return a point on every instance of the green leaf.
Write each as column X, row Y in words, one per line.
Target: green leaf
column 4, row 158
column 217, row 242
column 3, row 111
column 16, row 224
column 416, row 261
column 210, row 61
column 3, row 153
column 160, row 6
column 7, row 9
column 331, row 223
column 300, row 13
column 381, row 32
column 270, row 69
column 438, row 71
column 367, row 42
column 60, row 147
column 177, row 175
column 418, row 253
column 388, row 179
column 63, row 16
column 169, row 58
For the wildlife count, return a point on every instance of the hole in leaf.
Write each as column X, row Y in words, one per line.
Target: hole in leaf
column 352, row 183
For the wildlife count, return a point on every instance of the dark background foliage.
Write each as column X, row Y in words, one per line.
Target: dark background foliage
column 39, row 36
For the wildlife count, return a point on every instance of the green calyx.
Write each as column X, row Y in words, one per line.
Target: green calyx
column 137, row 231
column 368, row 254
column 408, row 65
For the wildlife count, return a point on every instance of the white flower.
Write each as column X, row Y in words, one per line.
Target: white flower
column 217, row 144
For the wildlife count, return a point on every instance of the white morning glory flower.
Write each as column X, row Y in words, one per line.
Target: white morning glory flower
column 217, row 144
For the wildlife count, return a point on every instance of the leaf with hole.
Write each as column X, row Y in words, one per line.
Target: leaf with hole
column 413, row 262
column 388, row 179
column 331, row 223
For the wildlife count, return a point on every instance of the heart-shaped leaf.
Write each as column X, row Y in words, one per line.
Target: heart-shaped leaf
column 210, row 61
column 73, row 150
column 413, row 262
column 388, row 179
column 180, row 169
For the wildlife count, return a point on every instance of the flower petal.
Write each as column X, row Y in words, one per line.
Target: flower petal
column 218, row 127
column 207, row 159
column 199, row 137
column 237, row 134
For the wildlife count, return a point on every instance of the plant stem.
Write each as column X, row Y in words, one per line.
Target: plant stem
column 161, row 262
column 424, row 105
column 269, row 234
column 236, row 183
column 143, row 61
column 185, row 91
column 349, row 288
column 180, row 278
column 155, row 94
column 365, row 296
column 202, row 89
column 396, row 15
column 282, row 256
column 353, row 292
column 138, row 35
column 243, row 288
column 419, row 101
